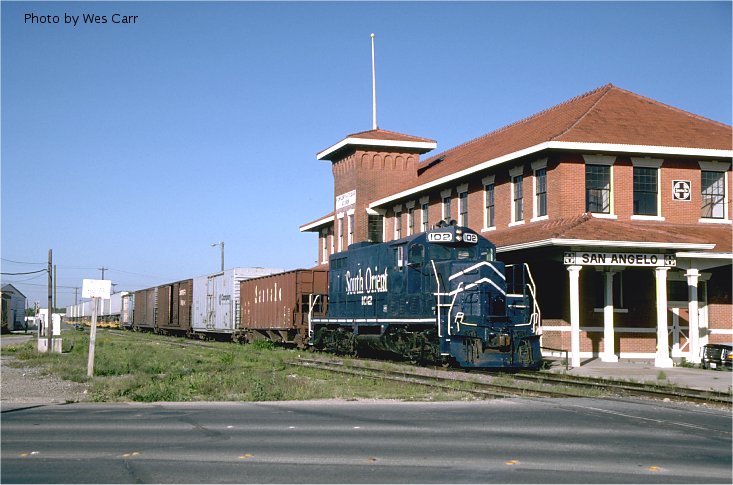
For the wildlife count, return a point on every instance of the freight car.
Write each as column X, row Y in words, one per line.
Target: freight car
column 277, row 307
column 437, row 296
column 174, row 308
column 111, row 312
column 206, row 306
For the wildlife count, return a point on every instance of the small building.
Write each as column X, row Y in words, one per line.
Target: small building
column 13, row 307
column 620, row 204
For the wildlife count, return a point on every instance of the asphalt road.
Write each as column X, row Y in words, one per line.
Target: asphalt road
column 501, row 441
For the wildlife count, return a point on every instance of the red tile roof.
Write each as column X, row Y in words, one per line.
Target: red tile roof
column 588, row 228
column 377, row 138
column 606, row 115
column 380, row 134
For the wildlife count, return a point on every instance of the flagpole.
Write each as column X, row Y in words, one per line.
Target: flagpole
column 374, row 90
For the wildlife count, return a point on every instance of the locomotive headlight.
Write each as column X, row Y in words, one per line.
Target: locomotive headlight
column 459, row 235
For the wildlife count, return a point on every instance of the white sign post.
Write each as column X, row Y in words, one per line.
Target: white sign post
column 96, row 290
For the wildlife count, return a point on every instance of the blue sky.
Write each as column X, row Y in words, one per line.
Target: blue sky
column 136, row 146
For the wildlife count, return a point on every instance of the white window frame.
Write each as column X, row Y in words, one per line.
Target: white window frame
column 608, row 160
column 445, row 194
column 485, row 182
column 324, row 246
column 332, row 239
column 649, row 163
column 350, row 227
column 715, row 166
column 397, row 233
column 536, row 166
column 410, row 206
column 514, row 173
column 424, row 213
column 462, row 189
column 340, row 227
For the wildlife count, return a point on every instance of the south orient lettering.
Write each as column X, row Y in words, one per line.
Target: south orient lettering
column 32, row 18
column 366, row 283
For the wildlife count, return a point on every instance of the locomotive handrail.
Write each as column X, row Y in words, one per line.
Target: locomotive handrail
column 311, row 303
column 437, row 294
column 452, row 303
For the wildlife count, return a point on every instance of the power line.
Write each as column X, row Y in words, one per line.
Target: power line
column 27, row 272
column 19, row 262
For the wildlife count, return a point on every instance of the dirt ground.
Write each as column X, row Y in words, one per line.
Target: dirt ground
column 22, row 383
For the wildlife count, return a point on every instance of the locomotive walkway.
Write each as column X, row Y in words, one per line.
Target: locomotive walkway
column 643, row 371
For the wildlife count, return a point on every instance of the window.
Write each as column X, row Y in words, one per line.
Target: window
column 351, row 228
column 424, row 221
column 598, row 188
column 645, row 191
column 417, row 254
column 518, row 205
column 324, row 246
column 398, row 225
column 463, row 208
column 713, row 195
column 541, row 192
column 446, row 208
column 489, row 200
column 410, row 221
column 341, row 234
column 375, row 227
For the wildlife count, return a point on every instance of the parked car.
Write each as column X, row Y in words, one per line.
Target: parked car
column 716, row 356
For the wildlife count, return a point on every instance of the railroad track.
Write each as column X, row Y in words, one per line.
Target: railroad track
column 467, row 385
column 540, row 384
column 635, row 389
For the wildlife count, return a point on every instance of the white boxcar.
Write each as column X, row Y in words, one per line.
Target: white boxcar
column 216, row 299
column 116, row 303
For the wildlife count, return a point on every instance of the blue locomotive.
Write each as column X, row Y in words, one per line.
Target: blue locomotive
column 439, row 296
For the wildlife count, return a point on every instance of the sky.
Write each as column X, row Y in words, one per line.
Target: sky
column 135, row 146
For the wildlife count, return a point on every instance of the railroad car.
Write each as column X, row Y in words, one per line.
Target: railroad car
column 216, row 302
column 109, row 311
column 144, row 312
column 174, row 308
column 277, row 307
column 437, row 296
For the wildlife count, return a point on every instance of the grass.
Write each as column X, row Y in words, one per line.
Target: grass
column 150, row 368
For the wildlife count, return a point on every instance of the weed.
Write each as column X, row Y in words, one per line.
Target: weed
column 661, row 375
column 263, row 345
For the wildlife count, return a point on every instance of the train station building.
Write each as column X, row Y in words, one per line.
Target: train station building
column 619, row 204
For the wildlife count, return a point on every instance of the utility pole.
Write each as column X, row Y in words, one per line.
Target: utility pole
column 220, row 243
column 76, row 295
column 102, row 269
column 49, row 320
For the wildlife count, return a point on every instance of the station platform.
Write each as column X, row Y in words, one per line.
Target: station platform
column 644, row 371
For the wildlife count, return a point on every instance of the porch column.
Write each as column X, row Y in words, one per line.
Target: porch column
column 574, row 273
column 662, row 359
column 693, row 276
column 609, row 353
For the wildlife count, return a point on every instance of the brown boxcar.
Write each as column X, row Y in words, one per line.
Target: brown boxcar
column 174, row 307
column 163, row 319
column 276, row 307
column 145, row 309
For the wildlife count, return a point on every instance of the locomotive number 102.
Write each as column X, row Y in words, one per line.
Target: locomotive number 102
column 448, row 237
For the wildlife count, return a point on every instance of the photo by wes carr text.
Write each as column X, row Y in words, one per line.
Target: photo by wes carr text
column 87, row 18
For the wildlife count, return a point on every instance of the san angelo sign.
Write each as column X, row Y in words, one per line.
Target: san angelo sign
column 619, row 259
